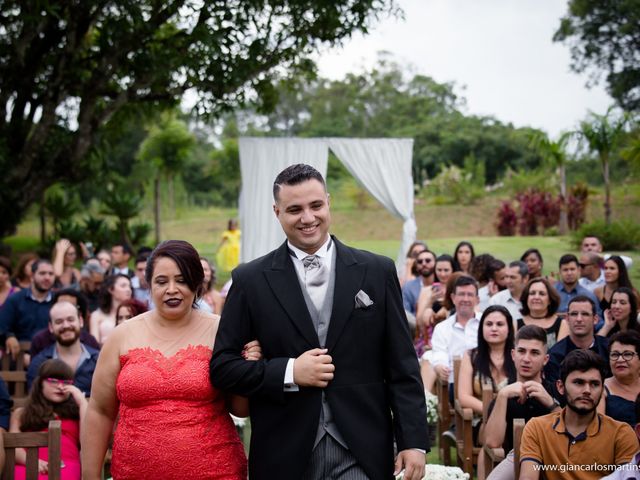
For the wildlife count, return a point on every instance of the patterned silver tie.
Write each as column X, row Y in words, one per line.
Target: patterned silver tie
column 316, row 277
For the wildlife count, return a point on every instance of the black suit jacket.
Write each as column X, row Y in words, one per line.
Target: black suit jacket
column 376, row 373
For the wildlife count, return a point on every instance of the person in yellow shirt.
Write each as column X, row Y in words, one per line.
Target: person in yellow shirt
column 228, row 255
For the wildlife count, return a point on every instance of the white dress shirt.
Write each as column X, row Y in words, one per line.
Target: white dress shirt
column 505, row 299
column 451, row 339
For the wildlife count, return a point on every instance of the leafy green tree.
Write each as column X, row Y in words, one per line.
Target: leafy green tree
column 70, row 70
column 386, row 101
column 605, row 36
column 165, row 151
column 603, row 134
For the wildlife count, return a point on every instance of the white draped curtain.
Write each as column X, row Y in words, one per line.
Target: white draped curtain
column 261, row 159
column 381, row 166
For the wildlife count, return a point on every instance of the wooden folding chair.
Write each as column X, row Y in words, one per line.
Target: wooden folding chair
column 16, row 381
column 445, row 414
column 467, row 452
column 31, row 441
column 518, row 428
column 492, row 456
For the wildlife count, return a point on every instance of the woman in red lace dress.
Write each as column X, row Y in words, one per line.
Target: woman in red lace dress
column 153, row 374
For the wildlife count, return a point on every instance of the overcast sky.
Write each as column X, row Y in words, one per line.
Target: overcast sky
column 500, row 50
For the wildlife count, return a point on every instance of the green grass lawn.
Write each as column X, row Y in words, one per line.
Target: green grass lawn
column 375, row 229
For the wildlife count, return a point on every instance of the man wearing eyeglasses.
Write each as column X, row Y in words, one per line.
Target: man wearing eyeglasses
column 581, row 319
column 425, row 265
column 65, row 325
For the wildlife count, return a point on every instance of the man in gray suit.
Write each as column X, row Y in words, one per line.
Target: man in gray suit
column 338, row 358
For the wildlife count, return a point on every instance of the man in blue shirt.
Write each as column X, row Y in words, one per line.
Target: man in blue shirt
column 568, row 286
column 425, row 265
column 26, row 312
column 65, row 324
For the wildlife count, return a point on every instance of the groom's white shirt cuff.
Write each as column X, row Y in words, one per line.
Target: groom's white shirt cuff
column 289, row 384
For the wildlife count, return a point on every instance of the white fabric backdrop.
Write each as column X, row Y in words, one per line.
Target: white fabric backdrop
column 261, row 159
column 382, row 166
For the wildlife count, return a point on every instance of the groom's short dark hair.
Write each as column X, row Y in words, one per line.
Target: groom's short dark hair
column 295, row 174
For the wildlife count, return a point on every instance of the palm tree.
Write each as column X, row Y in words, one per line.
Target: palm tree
column 602, row 134
column 124, row 203
column 166, row 150
column 555, row 154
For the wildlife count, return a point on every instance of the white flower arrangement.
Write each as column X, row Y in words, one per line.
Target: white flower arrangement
column 432, row 407
column 440, row 472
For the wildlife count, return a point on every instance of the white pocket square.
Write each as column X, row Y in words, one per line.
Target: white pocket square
column 363, row 300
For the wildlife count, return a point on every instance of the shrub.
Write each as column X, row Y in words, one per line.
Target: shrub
column 538, row 210
column 523, row 180
column 507, row 220
column 455, row 186
column 622, row 235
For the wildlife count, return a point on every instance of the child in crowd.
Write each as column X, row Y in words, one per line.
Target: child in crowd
column 53, row 397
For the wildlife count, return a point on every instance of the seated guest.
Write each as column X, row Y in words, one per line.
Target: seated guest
column 516, row 279
column 539, row 306
column 44, row 338
column 409, row 269
column 91, row 279
column 6, row 288
column 458, row 333
column 623, row 313
column 22, row 276
column 630, row 470
column 52, row 397
column 615, row 276
column 463, row 256
column 425, row 266
column 5, row 406
column 568, row 286
column 591, row 243
column 622, row 389
column 141, row 291
column 497, row 274
column 27, row 312
column 490, row 361
column 431, row 299
column 104, row 257
column 581, row 319
column 64, row 259
column 129, row 309
column 530, row 396
column 533, row 258
column 211, row 298
column 65, row 324
column 120, row 254
column 577, row 434
column 115, row 290
column 591, row 275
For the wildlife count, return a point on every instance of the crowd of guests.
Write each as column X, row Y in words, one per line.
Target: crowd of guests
column 559, row 347
column 67, row 308
column 513, row 327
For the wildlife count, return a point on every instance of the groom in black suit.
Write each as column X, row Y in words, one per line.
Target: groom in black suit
column 339, row 381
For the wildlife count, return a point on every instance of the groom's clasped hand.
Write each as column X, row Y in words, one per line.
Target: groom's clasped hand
column 313, row 368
